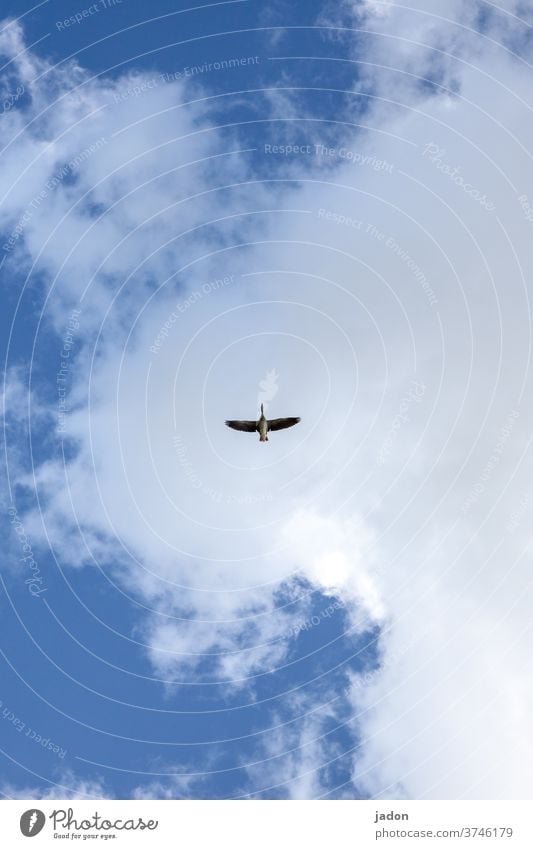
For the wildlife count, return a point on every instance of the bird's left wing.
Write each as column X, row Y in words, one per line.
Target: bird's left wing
column 236, row 424
column 280, row 424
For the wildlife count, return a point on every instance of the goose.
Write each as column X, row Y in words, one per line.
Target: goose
column 262, row 425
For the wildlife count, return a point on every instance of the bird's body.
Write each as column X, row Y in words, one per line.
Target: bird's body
column 262, row 425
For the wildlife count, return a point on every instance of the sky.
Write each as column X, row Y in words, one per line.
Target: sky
column 325, row 208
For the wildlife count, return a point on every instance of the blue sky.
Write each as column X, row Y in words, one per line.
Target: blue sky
column 324, row 208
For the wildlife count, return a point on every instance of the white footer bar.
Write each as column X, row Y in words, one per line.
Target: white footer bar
column 268, row 824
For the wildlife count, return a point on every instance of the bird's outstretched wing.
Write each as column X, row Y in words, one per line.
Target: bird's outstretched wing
column 280, row 424
column 236, row 424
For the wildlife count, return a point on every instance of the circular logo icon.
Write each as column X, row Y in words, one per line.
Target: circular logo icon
column 32, row 822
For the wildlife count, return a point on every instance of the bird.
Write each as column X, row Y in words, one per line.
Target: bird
column 262, row 425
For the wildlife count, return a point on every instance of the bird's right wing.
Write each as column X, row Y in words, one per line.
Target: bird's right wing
column 281, row 424
column 236, row 424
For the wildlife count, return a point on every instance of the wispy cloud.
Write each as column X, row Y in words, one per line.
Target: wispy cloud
column 67, row 785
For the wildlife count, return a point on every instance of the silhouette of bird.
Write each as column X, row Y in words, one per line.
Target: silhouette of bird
column 263, row 425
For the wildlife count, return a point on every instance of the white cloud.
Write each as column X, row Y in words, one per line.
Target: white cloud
column 173, row 787
column 444, row 716
column 295, row 759
column 233, row 651
column 14, row 398
column 88, row 504
column 337, row 559
column 67, row 786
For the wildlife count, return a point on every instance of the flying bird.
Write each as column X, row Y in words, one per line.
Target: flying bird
column 263, row 425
